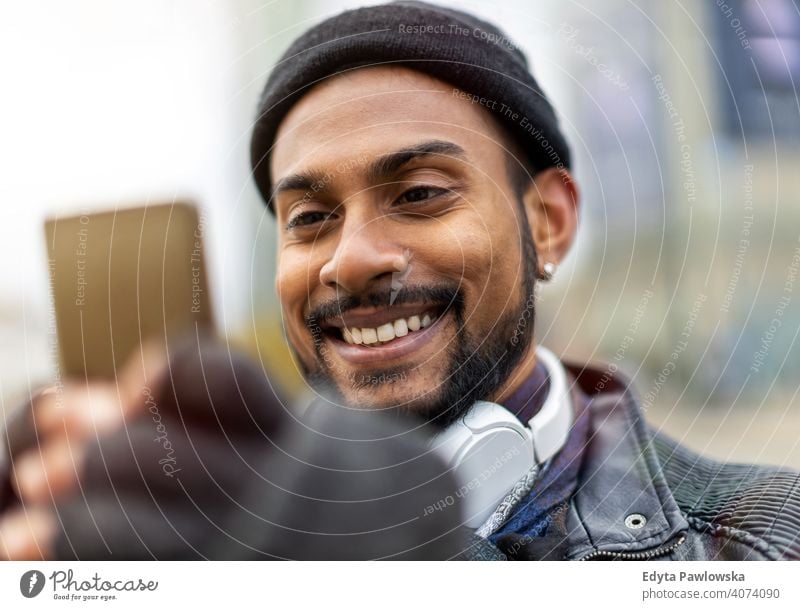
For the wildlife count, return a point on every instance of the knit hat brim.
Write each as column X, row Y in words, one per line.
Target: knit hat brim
column 449, row 45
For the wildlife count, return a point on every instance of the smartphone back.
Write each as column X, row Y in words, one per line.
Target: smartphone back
column 121, row 277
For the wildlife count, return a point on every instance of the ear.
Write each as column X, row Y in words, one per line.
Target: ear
column 551, row 202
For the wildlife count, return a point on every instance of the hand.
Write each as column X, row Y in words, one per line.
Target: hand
column 207, row 463
column 141, row 468
column 48, row 442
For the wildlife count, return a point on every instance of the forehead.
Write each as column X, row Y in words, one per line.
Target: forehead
column 371, row 111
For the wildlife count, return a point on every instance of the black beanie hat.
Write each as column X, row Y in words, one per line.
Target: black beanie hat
column 450, row 45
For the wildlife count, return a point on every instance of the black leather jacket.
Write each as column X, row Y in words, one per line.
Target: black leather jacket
column 643, row 496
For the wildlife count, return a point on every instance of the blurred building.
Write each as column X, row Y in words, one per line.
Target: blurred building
column 686, row 120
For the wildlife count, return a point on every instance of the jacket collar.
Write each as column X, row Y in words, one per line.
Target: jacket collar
column 623, row 504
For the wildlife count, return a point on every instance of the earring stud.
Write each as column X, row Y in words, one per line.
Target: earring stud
column 548, row 270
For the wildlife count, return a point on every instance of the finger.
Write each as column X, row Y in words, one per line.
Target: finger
column 20, row 429
column 84, row 408
column 27, row 534
column 39, row 475
column 144, row 370
column 79, row 410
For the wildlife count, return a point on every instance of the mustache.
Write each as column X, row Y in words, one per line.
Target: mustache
column 447, row 295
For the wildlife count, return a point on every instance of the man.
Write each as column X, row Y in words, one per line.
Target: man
column 422, row 189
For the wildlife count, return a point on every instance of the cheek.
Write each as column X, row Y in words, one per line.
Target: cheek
column 485, row 259
column 293, row 283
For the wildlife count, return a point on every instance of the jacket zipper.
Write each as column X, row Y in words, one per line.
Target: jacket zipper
column 643, row 555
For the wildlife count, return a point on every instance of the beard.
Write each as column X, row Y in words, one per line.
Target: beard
column 477, row 365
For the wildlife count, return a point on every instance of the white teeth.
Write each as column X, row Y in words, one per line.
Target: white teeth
column 386, row 332
column 400, row 328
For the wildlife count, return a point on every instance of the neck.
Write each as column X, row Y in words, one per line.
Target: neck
column 518, row 376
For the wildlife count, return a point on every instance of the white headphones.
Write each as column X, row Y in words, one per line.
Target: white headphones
column 489, row 450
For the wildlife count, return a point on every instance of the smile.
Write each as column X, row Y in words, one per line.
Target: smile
column 367, row 336
column 386, row 333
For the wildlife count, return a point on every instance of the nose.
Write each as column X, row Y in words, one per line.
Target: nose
column 365, row 253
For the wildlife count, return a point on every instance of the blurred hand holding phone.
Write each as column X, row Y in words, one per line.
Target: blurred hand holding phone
column 119, row 279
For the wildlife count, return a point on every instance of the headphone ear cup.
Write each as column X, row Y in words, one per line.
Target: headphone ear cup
column 489, row 450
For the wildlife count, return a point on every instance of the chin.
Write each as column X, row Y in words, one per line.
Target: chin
column 393, row 390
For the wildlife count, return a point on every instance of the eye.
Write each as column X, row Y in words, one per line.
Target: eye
column 420, row 194
column 306, row 219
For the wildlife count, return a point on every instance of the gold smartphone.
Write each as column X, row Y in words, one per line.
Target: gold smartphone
column 124, row 276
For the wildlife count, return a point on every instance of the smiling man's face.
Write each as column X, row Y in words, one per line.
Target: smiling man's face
column 406, row 268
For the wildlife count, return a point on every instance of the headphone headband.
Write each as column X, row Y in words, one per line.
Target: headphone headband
column 490, row 450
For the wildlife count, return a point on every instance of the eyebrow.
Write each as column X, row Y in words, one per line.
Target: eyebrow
column 383, row 167
column 389, row 164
